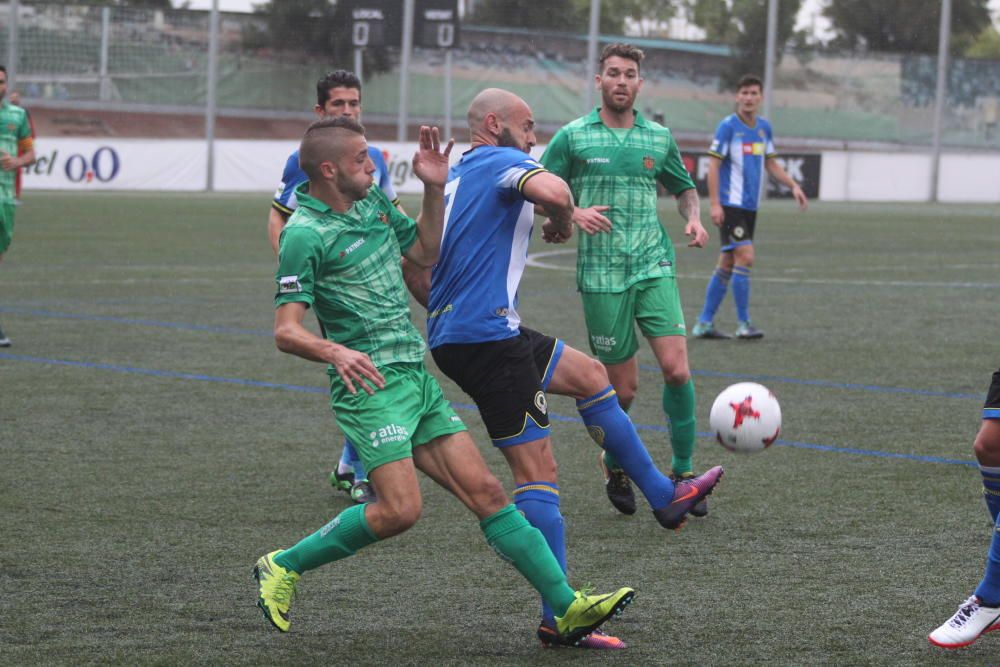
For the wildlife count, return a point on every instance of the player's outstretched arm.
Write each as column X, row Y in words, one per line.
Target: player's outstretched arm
column 430, row 165
column 775, row 169
column 689, row 206
column 352, row 366
column 715, row 203
column 553, row 195
column 275, row 223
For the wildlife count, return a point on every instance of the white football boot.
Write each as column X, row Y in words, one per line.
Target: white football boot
column 970, row 622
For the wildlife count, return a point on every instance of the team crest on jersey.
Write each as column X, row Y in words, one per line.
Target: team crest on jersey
column 648, row 162
column 760, row 133
column 289, row 285
column 10, row 127
column 384, row 217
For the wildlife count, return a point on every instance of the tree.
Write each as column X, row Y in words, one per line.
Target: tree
column 986, row 45
column 905, row 26
column 135, row 4
column 742, row 24
column 569, row 15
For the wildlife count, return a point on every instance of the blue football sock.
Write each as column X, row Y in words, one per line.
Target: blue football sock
column 741, row 292
column 539, row 502
column 714, row 294
column 988, row 590
column 355, row 461
column 611, row 428
column 346, row 454
column 991, row 489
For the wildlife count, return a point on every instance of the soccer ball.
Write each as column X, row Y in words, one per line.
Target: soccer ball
column 746, row 418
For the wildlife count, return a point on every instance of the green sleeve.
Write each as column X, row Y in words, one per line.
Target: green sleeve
column 557, row 157
column 404, row 227
column 673, row 175
column 300, row 256
column 24, row 129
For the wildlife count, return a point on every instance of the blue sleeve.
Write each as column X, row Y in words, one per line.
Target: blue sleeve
column 384, row 181
column 284, row 197
column 515, row 171
column 720, row 144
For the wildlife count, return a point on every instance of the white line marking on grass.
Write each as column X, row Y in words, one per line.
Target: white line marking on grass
column 535, row 260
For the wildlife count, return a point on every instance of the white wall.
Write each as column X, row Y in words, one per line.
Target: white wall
column 255, row 166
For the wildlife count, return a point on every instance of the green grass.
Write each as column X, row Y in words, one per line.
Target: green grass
column 134, row 505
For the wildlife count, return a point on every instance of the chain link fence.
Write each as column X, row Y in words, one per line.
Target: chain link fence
column 153, row 60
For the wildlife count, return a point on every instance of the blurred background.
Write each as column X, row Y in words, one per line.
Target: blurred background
column 852, row 75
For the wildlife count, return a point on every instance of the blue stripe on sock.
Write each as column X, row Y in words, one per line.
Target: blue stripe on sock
column 989, row 588
column 613, row 430
column 715, row 293
column 741, row 293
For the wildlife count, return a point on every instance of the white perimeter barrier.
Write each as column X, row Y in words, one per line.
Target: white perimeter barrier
column 85, row 164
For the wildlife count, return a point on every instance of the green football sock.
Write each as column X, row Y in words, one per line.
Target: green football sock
column 517, row 542
column 679, row 406
column 338, row 539
column 610, row 462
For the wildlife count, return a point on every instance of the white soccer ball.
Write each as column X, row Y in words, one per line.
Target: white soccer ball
column 746, row 418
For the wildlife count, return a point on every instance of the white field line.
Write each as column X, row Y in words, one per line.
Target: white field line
column 536, row 260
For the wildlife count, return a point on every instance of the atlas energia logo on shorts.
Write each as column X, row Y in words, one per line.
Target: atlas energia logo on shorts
column 603, row 343
column 389, row 433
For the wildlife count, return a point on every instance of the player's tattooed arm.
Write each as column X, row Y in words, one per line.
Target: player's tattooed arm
column 689, row 207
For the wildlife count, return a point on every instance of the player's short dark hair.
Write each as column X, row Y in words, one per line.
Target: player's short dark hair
column 3, row 68
column 341, row 122
column 312, row 150
column 338, row 78
column 622, row 50
column 749, row 80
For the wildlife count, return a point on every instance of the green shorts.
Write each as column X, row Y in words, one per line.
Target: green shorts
column 385, row 427
column 655, row 304
column 6, row 226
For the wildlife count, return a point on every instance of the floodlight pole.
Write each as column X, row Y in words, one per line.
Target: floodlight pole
column 15, row 15
column 447, row 95
column 940, row 94
column 404, row 71
column 595, row 22
column 770, row 56
column 210, row 100
column 104, row 90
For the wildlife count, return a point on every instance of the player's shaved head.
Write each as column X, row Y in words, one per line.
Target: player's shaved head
column 324, row 141
column 498, row 101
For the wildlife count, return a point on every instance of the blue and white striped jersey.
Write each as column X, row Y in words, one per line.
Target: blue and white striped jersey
column 743, row 151
column 487, row 227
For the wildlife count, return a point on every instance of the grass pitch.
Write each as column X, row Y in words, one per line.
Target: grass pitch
column 155, row 444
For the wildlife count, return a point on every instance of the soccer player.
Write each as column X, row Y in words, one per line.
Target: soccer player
column 477, row 340
column 340, row 254
column 981, row 612
column 743, row 148
column 613, row 158
column 338, row 93
column 15, row 99
column 17, row 150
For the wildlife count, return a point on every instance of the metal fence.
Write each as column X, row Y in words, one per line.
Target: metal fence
column 153, row 60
